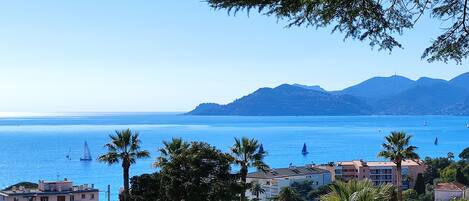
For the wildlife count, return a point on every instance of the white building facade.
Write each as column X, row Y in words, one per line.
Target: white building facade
column 449, row 191
column 273, row 180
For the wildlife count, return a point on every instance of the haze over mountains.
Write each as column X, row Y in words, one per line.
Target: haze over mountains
column 394, row 95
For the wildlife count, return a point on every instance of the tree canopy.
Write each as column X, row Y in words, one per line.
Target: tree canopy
column 195, row 171
column 375, row 21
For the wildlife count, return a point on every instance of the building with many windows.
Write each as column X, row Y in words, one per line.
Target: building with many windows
column 273, row 180
column 51, row 191
column 379, row 172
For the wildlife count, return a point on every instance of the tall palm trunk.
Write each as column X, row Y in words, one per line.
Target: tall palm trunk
column 244, row 172
column 126, row 167
column 399, row 181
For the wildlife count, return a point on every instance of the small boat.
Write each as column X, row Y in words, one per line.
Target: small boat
column 436, row 141
column 304, row 151
column 86, row 153
column 261, row 149
column 425, row 123
column 68, row 155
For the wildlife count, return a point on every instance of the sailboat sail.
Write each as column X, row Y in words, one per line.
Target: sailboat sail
column 86, row 153
column 304, row 150
column 68, row 155
column 261, row 149
column 436, row 141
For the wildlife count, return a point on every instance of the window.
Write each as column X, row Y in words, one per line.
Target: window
column 92, row 196
column 44, row 199
column 72, row 198
column 83, row 196
column 15, row 199
column 317, row 183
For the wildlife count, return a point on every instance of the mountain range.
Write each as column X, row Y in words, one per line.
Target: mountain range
column 394, row 95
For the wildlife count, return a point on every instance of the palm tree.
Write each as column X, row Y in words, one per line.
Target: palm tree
column 359, row 190
column 397, row 149
column 124, row 147
column 170, row 150
column 246, row 155
column 287, row 194
column 257, row 189
column 450, row 156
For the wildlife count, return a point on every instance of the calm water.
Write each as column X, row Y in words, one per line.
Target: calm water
column 35, row 148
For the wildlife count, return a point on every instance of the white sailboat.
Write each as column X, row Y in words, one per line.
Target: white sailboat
column 86, row 153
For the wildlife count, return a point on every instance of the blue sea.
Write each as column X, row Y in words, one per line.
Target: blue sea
column 34, row 148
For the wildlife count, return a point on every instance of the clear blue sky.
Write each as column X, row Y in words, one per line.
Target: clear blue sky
column 159, row 55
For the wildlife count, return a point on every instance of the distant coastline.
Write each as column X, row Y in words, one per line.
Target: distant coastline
column 394, row 95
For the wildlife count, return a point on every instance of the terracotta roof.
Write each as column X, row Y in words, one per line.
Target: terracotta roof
column 361, row 163
column 286, row 172
column 452, row 186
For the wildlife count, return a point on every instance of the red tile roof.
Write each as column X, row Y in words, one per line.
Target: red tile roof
column 452, row 186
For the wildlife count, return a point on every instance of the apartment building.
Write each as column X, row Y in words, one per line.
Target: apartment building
column 51, row 191
column 379, row 172
column 273, row 180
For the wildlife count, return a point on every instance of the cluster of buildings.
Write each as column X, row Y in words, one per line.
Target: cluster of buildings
column 273, row 180
column 51, row 191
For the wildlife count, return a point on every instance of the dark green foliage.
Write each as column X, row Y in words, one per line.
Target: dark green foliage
column 195, row 171
column 377, row 22
column 410, row 195
column 450, row 155
column 317, row 193
column 434, row 166
column 25, row 184
column 460, row 177
column 145, row 187
column 464, row 154
column 303, row 188
column 288, row 194
column 419, row 184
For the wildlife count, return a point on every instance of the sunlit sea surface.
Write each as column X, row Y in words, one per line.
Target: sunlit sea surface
column 35, row 147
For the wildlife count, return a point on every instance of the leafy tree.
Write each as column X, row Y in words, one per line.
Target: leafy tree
column 464, row 154
column 303, row 188
column 410, row 195
column 460, row 177
column 434, row 167
column 320, row 191
column 359, row 190
column 195, row 171
column 257, row 189
column 287, row 194
column 375, row 21
column 25, row 184
column 449, row 173
column 246, row 155
column 450, row 156
column 419, row 186
column 125, row 148
column 145, row 187
column 397, row 149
